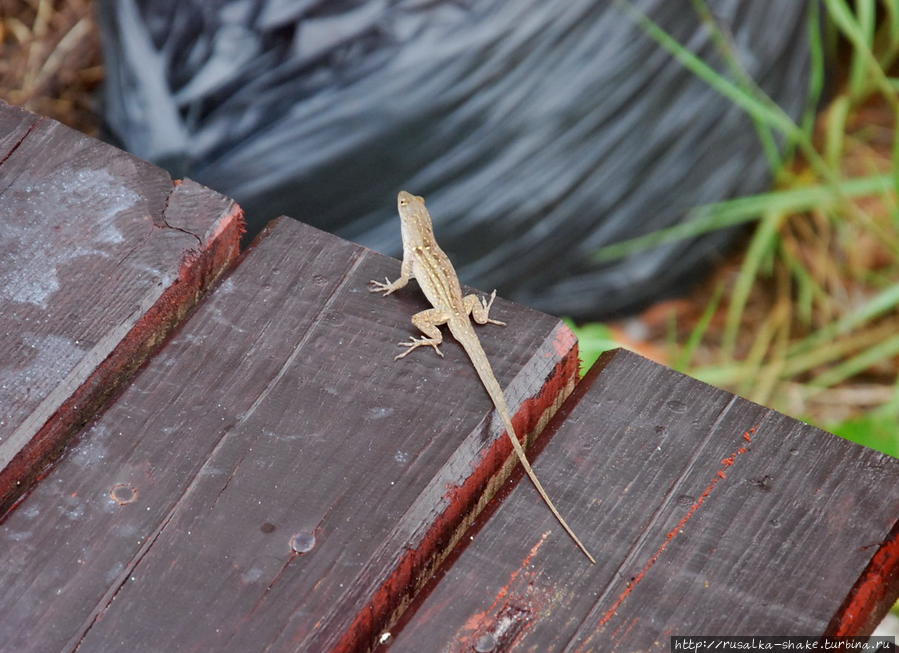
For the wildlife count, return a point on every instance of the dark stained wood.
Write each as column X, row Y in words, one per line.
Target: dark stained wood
column 708, row 515
column 101, row 254
column 272, row 479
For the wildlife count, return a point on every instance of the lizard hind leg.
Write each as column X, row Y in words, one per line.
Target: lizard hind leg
column 479, row 309
column 426, row 322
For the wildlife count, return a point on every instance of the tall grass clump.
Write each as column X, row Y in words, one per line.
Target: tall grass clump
column 805, row 318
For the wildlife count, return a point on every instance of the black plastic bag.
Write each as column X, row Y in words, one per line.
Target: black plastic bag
column 538, row 131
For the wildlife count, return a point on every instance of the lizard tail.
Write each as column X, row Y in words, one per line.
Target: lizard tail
column 479, row 359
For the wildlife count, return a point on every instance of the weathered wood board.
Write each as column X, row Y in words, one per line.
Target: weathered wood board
column 708, row 515
column 101, row 254
column 272, row 479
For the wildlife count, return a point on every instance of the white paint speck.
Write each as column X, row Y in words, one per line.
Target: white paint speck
column 114, row 572
column 251, row 575
column 380, row 412
column 31, row 512
column 47, row 358
column 18, row 536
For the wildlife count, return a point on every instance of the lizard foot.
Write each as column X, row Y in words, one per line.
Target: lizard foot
column 414, row 343
column 381, row 286
column 487, row 306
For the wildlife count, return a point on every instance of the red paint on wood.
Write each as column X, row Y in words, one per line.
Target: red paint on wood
column 678, row 528
column 873, row 595
column 481, row 622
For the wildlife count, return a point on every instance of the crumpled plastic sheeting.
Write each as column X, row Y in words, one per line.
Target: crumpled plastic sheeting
column 538, row 131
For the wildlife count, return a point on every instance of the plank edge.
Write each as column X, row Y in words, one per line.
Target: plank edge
column 876, row 590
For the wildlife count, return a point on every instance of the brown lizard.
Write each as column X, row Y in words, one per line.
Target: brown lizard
column 429, row 265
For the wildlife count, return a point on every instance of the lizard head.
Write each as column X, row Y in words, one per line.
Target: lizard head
column 409, row 202
column 415, row 220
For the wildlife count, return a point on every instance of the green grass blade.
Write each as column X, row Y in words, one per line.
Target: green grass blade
column 758, row 105
column 841, row 15
column 725, row 46
column 835, row 131
column 883, row 350
column 802, row 359
column 816, row 75
column 885, row 301
column 686, row 355
column 891, row 8
column 830, row 351
column 807, row 287
column 891, row 408
column 764, row 239
column 761, row 109
column 896, row 155
column 858, row 70
column 729, row 213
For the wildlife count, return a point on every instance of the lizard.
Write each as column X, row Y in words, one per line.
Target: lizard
column 424, row 261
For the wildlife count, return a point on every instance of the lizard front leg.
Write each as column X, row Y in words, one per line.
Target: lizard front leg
column 427, row 322
column 479, row 308
column 387, row 286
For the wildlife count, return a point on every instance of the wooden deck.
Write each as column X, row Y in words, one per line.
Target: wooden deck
column 206, row 452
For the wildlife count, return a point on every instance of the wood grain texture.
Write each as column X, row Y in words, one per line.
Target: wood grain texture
column 273, row 479
column 708, row 514
column 101, row 255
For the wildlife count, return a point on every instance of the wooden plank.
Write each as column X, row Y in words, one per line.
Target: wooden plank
column 101, row 255
column 273, row 479
column 708, row 514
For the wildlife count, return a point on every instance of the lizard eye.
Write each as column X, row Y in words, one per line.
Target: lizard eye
column 403, row 202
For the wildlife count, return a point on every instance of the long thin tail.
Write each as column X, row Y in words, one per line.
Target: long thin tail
column 472, row 346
